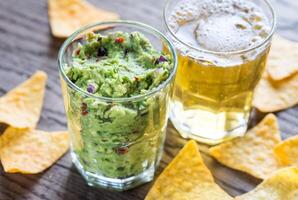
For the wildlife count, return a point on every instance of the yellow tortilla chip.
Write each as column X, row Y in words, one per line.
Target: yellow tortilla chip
column 283, row 58
column 272, row 96
column 67, row 16
column 21, row 106
column 252, row 153
column 282, row 185
column 186, row 177
column 31, row 151
column 287, row 151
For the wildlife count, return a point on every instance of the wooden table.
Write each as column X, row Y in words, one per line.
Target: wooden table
column 26, row 45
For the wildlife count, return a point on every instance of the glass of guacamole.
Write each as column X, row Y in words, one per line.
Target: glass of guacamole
column 117, row 79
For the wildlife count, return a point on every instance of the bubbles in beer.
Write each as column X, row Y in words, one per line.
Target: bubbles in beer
column 219, row 25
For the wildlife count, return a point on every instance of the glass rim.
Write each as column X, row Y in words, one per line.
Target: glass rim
column 258, row 45
column 150, row 30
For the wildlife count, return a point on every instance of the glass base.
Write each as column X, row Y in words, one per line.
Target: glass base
column 208, row 127
column 113, row 183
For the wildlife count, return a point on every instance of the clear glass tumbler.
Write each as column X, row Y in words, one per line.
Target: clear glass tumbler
column 121, row 148
column 214, row 84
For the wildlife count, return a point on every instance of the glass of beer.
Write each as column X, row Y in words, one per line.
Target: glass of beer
column 222, row 50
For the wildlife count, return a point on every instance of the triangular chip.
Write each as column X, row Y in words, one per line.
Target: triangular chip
column 67, row 16
column 272, row 96
column 283, row 58
column 282, row 185
column 21, row 106
column 252, row 153
column 287, row 151
column 31, row 151
column 186, row 177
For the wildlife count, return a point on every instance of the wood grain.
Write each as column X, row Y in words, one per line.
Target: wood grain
column 26, row 45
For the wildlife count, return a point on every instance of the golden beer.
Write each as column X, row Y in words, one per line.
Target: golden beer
column 222, row 49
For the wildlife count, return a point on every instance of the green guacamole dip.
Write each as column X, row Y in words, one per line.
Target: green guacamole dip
column 111, row 138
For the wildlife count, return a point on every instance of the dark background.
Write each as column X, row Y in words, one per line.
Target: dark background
column 27, row 45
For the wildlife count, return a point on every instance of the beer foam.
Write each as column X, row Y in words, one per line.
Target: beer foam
column 219, row 25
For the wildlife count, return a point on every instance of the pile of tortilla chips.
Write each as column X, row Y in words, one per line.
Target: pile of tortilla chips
column 253, row 153
column 187, row 177
column 67, row 16
column 260, row 152
column 280, row 81
column 22, row 148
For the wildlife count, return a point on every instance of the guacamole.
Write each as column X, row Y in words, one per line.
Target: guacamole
column 114, row 138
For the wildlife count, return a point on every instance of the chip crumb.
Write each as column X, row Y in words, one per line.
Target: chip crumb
column 252, row 153
column 282, row 185
column 186, row 177
column 287, row 151
column 67, row 16
column 21, row 107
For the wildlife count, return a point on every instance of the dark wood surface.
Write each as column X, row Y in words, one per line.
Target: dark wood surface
column 26, row 45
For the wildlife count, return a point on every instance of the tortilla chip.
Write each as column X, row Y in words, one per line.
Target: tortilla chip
column 287, row 151
column 274, row 96
column 31, row 151
column 67, row 16
column 252, row 153
column 282, row 185
column 186, row 177
column 283, row 58
column 21, row 106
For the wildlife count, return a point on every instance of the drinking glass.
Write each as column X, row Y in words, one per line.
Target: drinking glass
column 121, row 148
column 213, row 90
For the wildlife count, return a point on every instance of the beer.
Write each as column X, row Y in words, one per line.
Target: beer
column 222, row 49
